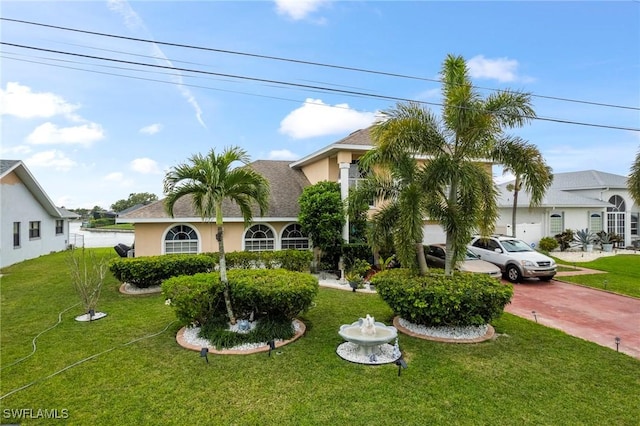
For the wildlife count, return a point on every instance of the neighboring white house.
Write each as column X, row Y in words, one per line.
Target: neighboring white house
column 587, row 199
column 31, row 225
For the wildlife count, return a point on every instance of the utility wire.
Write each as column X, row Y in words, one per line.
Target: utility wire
column 298, row 61
column 297, row 85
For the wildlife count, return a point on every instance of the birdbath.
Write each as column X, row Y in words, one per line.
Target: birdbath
column 367, row 334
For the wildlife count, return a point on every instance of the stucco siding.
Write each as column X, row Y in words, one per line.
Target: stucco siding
column 18, row 205
column 318, row 171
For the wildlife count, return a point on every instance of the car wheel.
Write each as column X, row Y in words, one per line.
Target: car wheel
column 513, row 274
column 546, row 278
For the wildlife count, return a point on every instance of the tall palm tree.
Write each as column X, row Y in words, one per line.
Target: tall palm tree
column 634, row 179
column 458, row 189
column 209, row 180
column 396, row 187
column 533, row 175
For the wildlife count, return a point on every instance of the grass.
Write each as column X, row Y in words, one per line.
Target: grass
column 121, row 226
column 622, row 274
column 529, row 375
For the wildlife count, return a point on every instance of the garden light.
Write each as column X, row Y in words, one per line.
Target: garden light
column 401, row 363
column 203, row 354
column 617, row 344
column 272, row 346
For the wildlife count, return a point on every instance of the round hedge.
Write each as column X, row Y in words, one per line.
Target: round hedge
column 266, row 293
column 463, row 299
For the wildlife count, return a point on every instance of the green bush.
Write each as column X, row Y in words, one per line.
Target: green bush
column 277, row 294
column 292, row 260
column 460, row 300
column 548, row 244
column 105, row 221
column 353, row 252
column 149, row 271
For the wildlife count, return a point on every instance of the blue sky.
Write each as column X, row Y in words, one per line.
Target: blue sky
column 92, row 131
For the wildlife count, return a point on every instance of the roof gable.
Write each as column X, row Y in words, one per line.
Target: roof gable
column 286, row 185
column 18, row 167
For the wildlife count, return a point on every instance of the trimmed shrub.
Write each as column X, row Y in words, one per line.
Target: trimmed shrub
column 150, row 271
column 434, row 300
column 548, row 244
column 292, row 260
column 276, row 294
column 353, row 252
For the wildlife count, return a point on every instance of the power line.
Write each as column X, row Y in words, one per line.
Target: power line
column 298, row 61
column 298, row 85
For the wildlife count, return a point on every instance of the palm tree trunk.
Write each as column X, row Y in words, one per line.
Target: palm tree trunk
column 422, row 261
column 516, row 188
column 453, row 201
column 223, row 274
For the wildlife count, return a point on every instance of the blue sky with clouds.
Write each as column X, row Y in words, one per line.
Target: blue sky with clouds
column 93, row 131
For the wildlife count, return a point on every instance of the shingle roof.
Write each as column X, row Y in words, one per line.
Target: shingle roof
column 588, row 179
column 561, row 191
column 6, row 165
column 360, row 140
column 286, row 187
column 359, row 137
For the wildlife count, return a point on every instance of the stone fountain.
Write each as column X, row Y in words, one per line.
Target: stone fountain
column 367, row 342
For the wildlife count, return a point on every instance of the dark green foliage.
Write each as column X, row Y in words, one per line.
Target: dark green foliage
column 548, row 244
column 292, row 260
column 435, row 299
column 104, row 221
column 266, row 293
column 150, row 271
column 322, row 215
column 266, row 329
column 565, row 239
column 351, row 252
column 143, row 198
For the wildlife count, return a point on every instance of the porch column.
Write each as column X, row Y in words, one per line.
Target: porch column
column 344, row 193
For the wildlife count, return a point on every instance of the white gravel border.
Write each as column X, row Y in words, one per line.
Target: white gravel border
column 446, row 332
column 191, row 336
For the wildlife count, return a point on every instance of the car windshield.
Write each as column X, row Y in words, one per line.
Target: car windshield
column 471, row 256
column 515, row 246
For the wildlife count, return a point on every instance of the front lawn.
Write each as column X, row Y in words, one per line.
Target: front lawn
column 529, row 375
column 623, row 274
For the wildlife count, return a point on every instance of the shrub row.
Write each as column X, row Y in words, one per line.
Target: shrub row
column 277, row 294
column 149, row 271
column 292, row 260
column 460, row 300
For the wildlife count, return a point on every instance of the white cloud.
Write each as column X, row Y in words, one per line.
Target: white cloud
column 19, row 150
column 51, row 159
column 20, row 101
column 315, row 118
column 133, row 21
column 145, row 166
column 282, row 154
column 119, row 179
column 151, row 129
column 298, row 9
column 501, row 69
column 49, row 133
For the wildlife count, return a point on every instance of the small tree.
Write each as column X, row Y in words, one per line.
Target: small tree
column 134, row 199
column 87, row 276
column 322, row 217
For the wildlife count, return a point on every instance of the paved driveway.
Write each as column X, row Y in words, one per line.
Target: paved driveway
column 594, row 315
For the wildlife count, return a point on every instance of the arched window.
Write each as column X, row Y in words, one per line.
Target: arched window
column 293, row 238
column 595, row 222
column 618, row 204
column 259, row 238
column 181, row 239
column 556, row 223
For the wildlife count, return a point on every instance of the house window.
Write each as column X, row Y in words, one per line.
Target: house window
column 181, row 239
column 595, row 222
column 16, row 234
column 356, row 177
column 634, row 223
column 293, row 238
column 556, row 224
column 259, row 238
column 34, row 229
column 59, row 226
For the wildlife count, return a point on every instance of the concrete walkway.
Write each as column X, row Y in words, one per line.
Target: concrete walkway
column 587, row 313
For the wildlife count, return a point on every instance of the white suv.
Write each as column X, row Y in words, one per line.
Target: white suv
column 514, row 257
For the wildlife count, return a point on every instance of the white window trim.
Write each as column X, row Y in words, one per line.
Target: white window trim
column 276, row 242
column 173, row 225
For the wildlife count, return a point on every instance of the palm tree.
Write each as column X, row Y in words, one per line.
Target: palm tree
column 634, row 179
column 533, row 174
column 458, row 190
column 397, row 189
column 209, row 180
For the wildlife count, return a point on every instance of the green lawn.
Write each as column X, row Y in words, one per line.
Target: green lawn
column 623, row 274
column 123, row 226
column 529, row 375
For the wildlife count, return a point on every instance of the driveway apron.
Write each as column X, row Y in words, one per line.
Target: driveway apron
column 587, row 313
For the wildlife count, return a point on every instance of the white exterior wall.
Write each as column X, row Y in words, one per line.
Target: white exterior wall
column 17, row 204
